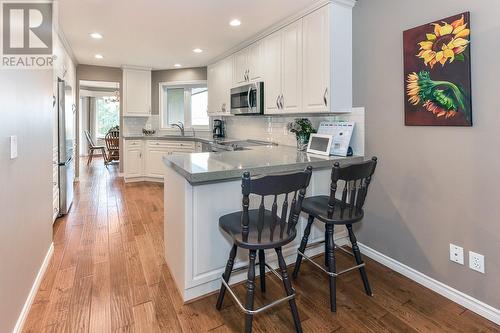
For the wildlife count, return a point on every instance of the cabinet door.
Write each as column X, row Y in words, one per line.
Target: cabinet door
column 133, row 162
column 255, row 61
column 291, row 85
column 213, row 90
column 240, row 67
column 272, row 72
column 316, row 60
column 224, row 94
column 154, row 162
column 137, row 92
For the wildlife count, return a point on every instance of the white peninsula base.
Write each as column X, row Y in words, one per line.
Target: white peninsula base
column 196, row 250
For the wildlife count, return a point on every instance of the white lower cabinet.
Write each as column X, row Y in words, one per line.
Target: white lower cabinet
column 144, row 158
column 133, row 159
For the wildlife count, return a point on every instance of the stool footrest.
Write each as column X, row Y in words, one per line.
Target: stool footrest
column 327, row 272
column 264, row 307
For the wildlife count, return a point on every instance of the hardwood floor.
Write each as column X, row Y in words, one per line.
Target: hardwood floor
column 108, row 275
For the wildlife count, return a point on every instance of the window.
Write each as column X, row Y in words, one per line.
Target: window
column 185, row 103
column 107, row 114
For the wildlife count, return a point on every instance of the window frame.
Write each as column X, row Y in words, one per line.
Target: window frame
column 96, row 115
column 187, row 106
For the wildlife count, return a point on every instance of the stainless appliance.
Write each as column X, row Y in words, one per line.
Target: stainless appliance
column 66, row 140
column 218, row 129
column 248, row 99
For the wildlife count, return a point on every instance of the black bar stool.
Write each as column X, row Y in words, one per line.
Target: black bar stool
column 331, row 212
column 261, row 229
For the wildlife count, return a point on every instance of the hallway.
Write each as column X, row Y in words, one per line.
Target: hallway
column 108, row 274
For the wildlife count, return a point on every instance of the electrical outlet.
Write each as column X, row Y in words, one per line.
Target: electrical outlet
column 457, row 254
column 476, row 261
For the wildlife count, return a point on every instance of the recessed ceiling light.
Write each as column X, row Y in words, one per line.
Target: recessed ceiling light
column 197, row 50
column 96, row 35
column 235, row 23
column 177, row 65
column 98, row 56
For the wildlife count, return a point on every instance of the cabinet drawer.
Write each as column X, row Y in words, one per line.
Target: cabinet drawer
column 133, row 143
column 171, row 145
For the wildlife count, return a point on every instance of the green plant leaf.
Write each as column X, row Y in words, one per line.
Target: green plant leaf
column 460, row 57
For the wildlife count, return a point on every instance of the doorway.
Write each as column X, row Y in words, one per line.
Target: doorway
column 99, row 122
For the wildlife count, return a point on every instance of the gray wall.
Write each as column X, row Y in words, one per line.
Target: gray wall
column 184, row 74
column 26, row 185
column 100, row 73
column 434, row 185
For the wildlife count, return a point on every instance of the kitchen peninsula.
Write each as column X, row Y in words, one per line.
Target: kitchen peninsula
column 200, row 187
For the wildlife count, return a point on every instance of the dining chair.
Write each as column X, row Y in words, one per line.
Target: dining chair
column 112, row 140
column 93, row 147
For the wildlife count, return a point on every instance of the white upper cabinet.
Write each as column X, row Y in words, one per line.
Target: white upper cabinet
column 283, row 70
column 291, row 65
column 254, row 60
column 219, row 77
column 247, row 65
column 327, row 58
column 306, row 65
column 272, row 72
column 316, row 82
column 240, row 68
column 136, row 92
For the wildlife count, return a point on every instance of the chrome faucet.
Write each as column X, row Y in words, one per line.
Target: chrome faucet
column 180, row 126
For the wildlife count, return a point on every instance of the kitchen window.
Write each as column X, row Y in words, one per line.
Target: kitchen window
column 186, row 103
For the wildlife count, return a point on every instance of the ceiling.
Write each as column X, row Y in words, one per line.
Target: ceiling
column 161, row 33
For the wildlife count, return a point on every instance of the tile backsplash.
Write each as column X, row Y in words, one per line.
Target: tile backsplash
column 267, row 128
column 134, row 125
column 274, row 128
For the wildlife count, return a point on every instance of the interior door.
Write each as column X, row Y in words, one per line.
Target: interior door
column 292, row 68
column 272, row 72
column 316, row 57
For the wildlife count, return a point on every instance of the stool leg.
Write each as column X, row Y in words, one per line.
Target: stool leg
column 326, row 246
column 302, row 246
column 250, row 291
column 227, row 274
column 330, row 255
column 359, row 260
column 289, row 290
column 262, row 266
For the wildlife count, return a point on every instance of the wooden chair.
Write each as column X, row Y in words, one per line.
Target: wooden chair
column 346, row 211
column 261, row 229
column 112, row 140
column 93, row 147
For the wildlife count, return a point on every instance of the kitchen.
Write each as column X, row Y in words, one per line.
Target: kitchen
column 244, row 141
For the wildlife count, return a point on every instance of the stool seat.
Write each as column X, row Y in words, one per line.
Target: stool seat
column 317, row 206
column 231, row 224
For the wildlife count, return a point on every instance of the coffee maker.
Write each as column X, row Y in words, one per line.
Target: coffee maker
column 218, row 129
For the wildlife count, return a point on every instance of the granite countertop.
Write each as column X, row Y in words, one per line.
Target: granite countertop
column 168, row 137
column 200, row 168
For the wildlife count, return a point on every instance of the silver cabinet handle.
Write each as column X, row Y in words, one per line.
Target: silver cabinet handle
column 281, row 101
column 278, row 101
column 324, row 96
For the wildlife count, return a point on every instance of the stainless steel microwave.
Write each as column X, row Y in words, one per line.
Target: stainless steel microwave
column 248, row 99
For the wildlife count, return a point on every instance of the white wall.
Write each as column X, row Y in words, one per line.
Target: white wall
column 26, row 185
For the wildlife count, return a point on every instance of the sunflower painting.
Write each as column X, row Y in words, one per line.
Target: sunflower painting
column 437, row 73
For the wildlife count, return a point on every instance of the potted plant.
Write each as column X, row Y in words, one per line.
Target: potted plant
column 302, row 127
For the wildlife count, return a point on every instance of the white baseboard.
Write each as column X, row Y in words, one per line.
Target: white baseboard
column 34, row 289
column 481, row 308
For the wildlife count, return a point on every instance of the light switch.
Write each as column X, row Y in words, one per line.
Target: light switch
column 13, row 147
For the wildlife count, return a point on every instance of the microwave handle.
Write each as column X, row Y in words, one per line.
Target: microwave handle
column 248, row 97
